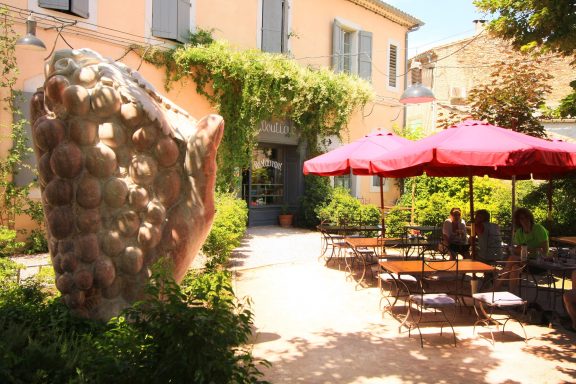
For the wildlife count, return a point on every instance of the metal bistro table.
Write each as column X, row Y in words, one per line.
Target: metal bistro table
column 365, row 250
column 428, row 240
column 553, row 269
column 414, row 267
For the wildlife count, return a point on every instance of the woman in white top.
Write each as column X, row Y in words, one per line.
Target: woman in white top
column 454, row 235
column 489, row 239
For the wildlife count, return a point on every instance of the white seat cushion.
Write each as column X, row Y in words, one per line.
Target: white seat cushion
column 433, row 300
column 394, row 276
column 501, row 299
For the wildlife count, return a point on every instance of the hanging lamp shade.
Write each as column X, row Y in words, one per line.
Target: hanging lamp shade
column 30, row 41
column 416, row 94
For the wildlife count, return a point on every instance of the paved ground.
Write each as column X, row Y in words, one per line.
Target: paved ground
column 315, row 327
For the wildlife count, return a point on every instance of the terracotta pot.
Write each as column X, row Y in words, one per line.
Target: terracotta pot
column 285, row 220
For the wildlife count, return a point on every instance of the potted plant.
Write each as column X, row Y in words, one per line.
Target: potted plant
column 285, row 218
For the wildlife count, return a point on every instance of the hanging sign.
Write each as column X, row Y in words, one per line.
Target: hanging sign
column 278, row 131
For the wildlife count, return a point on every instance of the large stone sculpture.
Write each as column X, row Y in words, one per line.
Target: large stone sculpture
column 126, row 176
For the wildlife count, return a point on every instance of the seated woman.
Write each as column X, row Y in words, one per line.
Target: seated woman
column 529, row 233
column 533, row 235
column 454, row 236
column 488, row 236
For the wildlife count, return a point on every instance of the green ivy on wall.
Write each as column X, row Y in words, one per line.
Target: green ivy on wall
column 249, row 86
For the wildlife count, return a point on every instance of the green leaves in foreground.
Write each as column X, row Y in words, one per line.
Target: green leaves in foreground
column 191, row 334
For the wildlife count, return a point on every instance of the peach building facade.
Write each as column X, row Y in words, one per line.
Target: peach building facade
column 364, row 37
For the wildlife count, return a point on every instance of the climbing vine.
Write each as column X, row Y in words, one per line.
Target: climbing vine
column 14, row 198
column 251, row 86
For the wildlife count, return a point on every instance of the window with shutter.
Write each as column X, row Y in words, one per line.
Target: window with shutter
column 275, row 26
column 74, row 7
column 365, row 55
column 351, row 49
column 392, row 65
column 171, row 19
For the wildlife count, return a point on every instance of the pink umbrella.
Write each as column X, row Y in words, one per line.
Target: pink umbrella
column 355, row 157
column 475, row 148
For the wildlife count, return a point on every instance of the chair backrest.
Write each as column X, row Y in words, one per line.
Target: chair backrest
column 435, row 271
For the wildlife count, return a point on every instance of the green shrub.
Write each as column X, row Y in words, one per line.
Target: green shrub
column 190, row 334
column 9, row 270
column 345, row 209
column 227, row 230
column 317, row 192
column 36, row 242
column 435, row 196
column 8, row 242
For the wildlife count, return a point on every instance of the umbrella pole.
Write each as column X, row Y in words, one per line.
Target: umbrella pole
column 513, row 204
column 472, row 235
column 549, row 194
column 382, row 206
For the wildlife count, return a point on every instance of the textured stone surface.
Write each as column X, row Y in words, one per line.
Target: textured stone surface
column 126, row 176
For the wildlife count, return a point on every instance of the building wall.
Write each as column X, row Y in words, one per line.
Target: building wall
column 113, row 25
column 468, row 63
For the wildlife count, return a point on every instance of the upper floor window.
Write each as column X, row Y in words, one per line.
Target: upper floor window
column 392, row 65
column 275, row 26
column 351, row 49
column 74, row 7
column 171, row 19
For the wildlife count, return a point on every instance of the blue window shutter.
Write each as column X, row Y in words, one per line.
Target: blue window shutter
column 272, row 20
column 25, row 176
column 80, row 8
column 61, row 5
column 183, row 21
column 365, row 55
column 337, row 47
column 164, row 19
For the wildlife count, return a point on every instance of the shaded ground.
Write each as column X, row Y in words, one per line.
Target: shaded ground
column 315, row 327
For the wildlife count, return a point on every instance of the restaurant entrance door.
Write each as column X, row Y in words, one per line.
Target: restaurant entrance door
column 272, row 182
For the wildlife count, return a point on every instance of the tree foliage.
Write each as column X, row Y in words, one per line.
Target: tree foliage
column 512, row 97
column 538, row 26
column 548, row 25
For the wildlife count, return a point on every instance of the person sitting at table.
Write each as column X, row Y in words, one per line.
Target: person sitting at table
column 454, row 237
column 531, row 234
column 488, row 236
column 570, row 304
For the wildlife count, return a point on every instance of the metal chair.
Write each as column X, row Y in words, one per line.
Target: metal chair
column 496, row 307
column 430, row 300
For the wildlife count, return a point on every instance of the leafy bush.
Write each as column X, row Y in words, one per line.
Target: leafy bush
column 317, row 192
column 228, row 228
column 8, row 242
column 435, row 196
column 346, row 209
column 193, row 334
column 36, row 242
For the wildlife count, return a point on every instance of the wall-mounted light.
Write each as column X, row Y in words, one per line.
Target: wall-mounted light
column 416, row 94
column 30, row 41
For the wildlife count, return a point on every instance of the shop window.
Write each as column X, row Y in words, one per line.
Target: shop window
column 171, row 19
column 267, row 177
column 351, row 49
column 275, row 26
column 74, row 7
